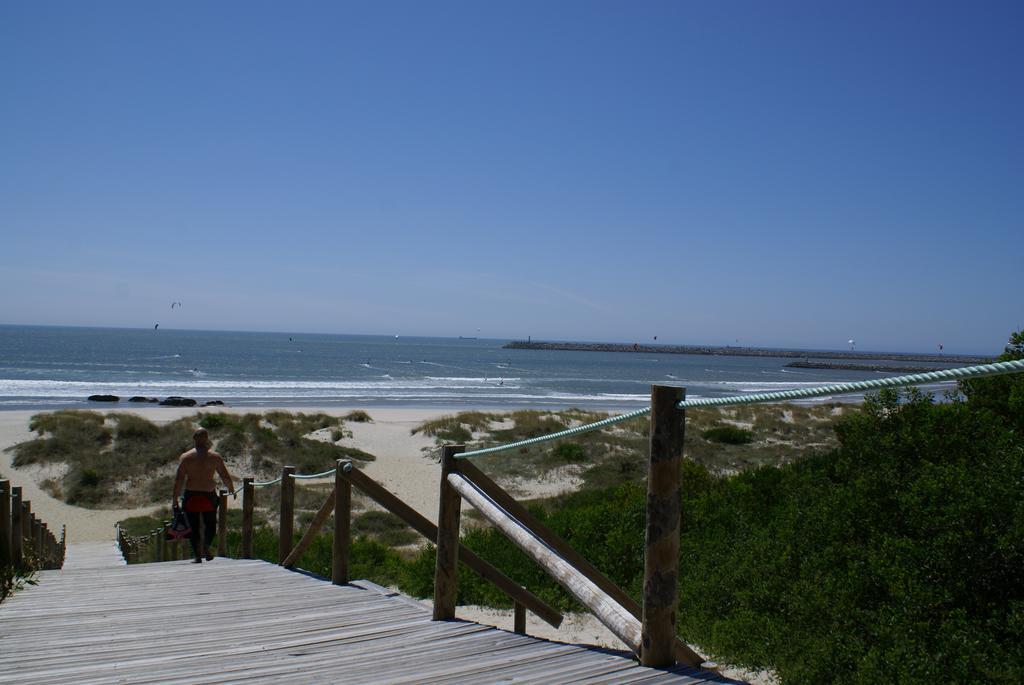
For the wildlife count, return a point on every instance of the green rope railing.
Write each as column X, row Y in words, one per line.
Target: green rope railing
column 981, row 370
column 299, row 476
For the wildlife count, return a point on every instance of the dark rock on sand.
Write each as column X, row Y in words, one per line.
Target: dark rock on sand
column 214, row 403
column 104, row 398
column 138, row 398
column 178, row 402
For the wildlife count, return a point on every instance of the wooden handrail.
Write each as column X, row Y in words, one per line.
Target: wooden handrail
column 649, row 630
column 623, row 624
column 427, row 529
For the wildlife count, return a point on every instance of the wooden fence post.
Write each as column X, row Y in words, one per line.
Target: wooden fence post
column 519, row 620
column 42, row 540
column 342, row 523
column 26, row 532
column 661, row 556
column 5, row 522
column 222, row 525
column 17, row 538
column 34, row 540
column 287, row 523
column 446, row 571
column 248, row 502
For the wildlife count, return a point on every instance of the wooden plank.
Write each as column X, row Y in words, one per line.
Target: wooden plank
column 610, row 613
column 99, row 621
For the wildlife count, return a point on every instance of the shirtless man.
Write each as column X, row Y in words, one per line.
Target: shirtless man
column 200, row 500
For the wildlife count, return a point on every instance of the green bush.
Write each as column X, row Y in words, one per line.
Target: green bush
column 569, row 452
column 729, row 435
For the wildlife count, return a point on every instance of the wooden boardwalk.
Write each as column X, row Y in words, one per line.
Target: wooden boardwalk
column 233, row 621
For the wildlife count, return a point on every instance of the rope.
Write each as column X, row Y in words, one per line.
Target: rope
column 994, row 369
column 299, row 476
column 610, row 421
column 269, row 482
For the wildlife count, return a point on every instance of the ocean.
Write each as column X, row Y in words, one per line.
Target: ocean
column 43, row 367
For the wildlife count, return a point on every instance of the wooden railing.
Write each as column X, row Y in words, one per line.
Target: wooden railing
column 339, row 502
column 25, row 540
column 648, row 629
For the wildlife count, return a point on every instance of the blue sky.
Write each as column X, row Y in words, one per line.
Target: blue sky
column 782, row 174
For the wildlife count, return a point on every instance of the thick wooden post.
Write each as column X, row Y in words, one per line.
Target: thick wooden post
column 661, row 557
column 446, row 571
column 161, row 544
column 287, row 522
column 248, row 502
column 5, row 522
column 519, row 620
column 342, row 523
column 17, row 538
column 222, row 525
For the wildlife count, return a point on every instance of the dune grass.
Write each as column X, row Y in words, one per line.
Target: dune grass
column 124, row 460
column 726, row 440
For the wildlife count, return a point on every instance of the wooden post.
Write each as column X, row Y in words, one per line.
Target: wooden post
column 161, row 544
column 446, row 571
column 520, row 619
column 342, row 523
column 17, row 539
column 248, row 502
column 661, row 557
column 287, row 523
column 42, row 538
column 26, row 532
column 36, row 540
column 222, row 525
column 5, row 522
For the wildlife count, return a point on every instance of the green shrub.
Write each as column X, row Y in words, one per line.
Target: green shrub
column 729, row 435
column 569, row 452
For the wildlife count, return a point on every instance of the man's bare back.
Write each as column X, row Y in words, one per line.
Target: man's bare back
column 196, row 468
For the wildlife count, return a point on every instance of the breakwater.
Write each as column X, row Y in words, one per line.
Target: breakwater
column 848, row 366
column 729, row 351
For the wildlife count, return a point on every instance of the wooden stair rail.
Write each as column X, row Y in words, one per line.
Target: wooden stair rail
column 681, row 650
column 349, row 476
column 424, row 527
column 609, row 612
column 649, row 630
